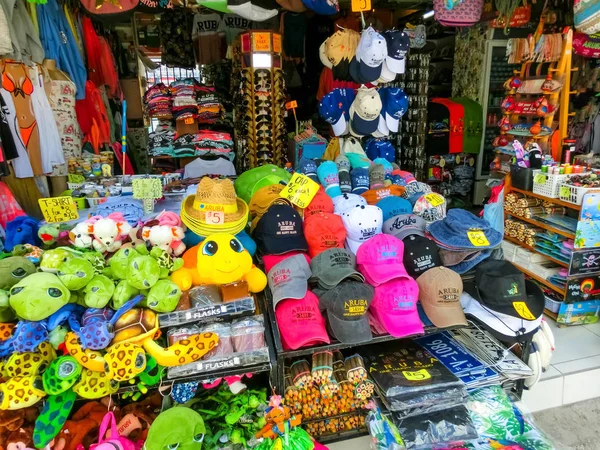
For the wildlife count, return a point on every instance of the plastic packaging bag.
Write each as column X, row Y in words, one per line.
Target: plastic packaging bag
column 248, row 334
column 225, row 346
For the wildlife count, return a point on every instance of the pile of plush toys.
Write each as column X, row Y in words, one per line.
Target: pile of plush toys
column 79, row 311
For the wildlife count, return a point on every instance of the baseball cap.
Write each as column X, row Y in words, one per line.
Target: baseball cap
column 394, row 106
column 345, row 202
column 380, row 259
column 387, row 75
column 395, row 307
column 323, row 231
column 279, row 231
column 321, row 202
column 420, row 254
column 264, row 198
column 347, row 307
column 380, row 148
column 335, row 109
column 371, row 52
column 343, row 163
column 361, row 223
column 431, row 207
column 331, row 267
column 376, row 176
column 365, row 111
column 360, row 181
column 393, row 206
column 500, row 287
column 270, row 261
column 397, row 44
column 289, row 279
column 329, row 178
column 415, row 190
column 301, row 323
column 374, row 195
column 405, row 176
column 308, row 167
column 354, row 69
column 404, row 225
column 323, row 56
column 439, row 292
column 323, row 7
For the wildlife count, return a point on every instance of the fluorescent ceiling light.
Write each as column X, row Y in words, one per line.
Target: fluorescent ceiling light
column 428, row 14
column 262, row 60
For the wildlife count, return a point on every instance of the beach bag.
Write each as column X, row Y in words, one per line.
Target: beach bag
column 115, row 442
column 464, row 14
column 587, row 16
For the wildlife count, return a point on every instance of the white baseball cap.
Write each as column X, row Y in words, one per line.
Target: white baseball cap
column 362, row 223
column 345, row 202
column 387, row 75
column 371, row 52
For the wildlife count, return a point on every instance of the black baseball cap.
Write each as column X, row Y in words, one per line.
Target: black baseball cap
column 501, row 287
column 331, row 267
column 420, row 254
column 347, row 307
column 279, row 231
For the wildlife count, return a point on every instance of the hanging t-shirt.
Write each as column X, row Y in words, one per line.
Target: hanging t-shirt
column 207, row 33
column 294, row 32
column 234, row 25
column 200, row 167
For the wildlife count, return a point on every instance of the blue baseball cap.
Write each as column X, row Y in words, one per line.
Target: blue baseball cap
column 335, row 109
column 330, row 178
column 394, row 206
column 323, row 7
column 360, row 180
column 394, row 105
column 308, row 167
column 380, row 148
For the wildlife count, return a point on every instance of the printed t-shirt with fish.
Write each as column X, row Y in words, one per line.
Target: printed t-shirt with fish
column 207, row 33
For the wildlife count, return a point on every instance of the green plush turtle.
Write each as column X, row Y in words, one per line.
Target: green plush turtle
column 6, row 313
column 97, row 261
column 98, row 291
column 51, row 259
column 50, row 233
column 13, row 269
column 53, row 416
column 61, row 374
column 143, row 272
column 181, row 428
column 163, row 296
column 38, row 296
column 75, row 273
column 166, row 262
column 123, row 292
column 120, row 262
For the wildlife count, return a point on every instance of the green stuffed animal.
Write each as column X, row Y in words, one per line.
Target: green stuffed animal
column 163, row 296
column 13, row 269
column 6, row 313
column 38, row 296
column 97, row 261
column 98, row 291
column 123, row 293
column 176, row 428
column 119, row 263
column 51, row 259
column 75, row 273
column 143, row 272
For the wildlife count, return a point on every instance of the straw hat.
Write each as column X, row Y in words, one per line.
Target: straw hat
column 214, row 195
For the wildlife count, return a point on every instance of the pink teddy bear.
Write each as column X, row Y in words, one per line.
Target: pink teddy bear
column 167, row 234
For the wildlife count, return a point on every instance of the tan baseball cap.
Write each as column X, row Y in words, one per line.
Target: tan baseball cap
column 335, row 47
column 440, row 289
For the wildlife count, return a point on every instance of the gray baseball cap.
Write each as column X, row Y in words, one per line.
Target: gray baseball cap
column 347, row 307
column 404, row 225
column 332, row 266
column 289, row 278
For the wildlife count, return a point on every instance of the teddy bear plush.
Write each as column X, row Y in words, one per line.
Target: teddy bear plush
column 165, row 232
column 104, row 234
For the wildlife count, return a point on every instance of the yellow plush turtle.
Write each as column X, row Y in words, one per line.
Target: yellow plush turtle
column 219, row 259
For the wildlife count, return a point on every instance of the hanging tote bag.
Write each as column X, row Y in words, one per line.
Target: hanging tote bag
column 115, row 442
column 464, row 14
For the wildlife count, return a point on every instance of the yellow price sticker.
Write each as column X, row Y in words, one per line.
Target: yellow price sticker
column 478, row 239
column 73, row 178
column 188, row 121
column 361, row 5
column 564, row 191
column 147, row 188
column 539, row 178
column 434, row 199
column 300, row 190
column 58, row 209
column 523, row 311
column 416, row 375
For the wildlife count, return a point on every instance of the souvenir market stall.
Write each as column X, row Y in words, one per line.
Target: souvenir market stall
column 293, row 258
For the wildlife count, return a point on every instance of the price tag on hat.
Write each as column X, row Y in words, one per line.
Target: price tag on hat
column 147, row 188
column 361, row 5
column 478, row 239
column 434, row 199
column 300, row 190
column 215, row 217
column 58, row 209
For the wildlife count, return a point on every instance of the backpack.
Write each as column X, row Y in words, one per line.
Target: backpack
column 115, row 442
column 473, row 124
column 587, row 16
column 464, row 14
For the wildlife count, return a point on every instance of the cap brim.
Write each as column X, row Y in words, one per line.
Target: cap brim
column 404, row 233
column 382, row 273
column 399, row 325
column 382, row 128
column 297, row 243
column 391, row 123
column 368, row 73
column 354, row 70
column 445, row 316
column 395, row 65
column 295, row 337
column 339, row 128
column 387, row 75
column 350, row 331
column 331, row 278
column 363, row 126
column 295, row 290
column 323, row 56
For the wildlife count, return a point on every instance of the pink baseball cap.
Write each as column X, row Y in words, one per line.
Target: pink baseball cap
column 380, row 259
column 272, row 260
column 395, row 307
column 301, row 323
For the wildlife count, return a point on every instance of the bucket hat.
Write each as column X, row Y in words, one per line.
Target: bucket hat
column 463, row 230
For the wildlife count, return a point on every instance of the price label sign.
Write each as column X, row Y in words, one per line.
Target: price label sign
column 188, row 121
column 416, row 375
column 58, row 209
column 72, row 178
column 261, row 42
column 434, row 199
column 361, row 5
column 300, row 190
column 564, row 192
column 478, row 239
column 291, row 105
column 215, row 217
column 539, row 178
column 147, row 188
